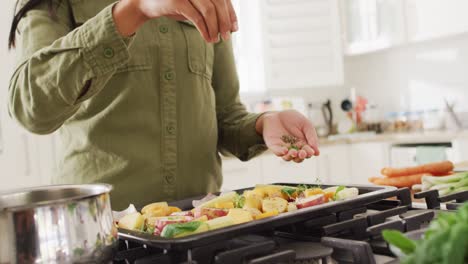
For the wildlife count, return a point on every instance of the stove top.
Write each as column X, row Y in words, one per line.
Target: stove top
column 351, row 236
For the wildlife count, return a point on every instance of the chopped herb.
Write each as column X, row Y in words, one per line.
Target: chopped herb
column 339, row 189
column 289, row 191
column 150, row 229
column 289, row 139
column 239, row 201
column 302, row 187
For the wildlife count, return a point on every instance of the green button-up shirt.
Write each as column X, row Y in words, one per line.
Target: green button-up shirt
column 148, row 114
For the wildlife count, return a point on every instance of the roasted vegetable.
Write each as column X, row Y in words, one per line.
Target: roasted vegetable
column 156, row 209
column 310, row 201
column 274, row 204
column 134, row 221
column 228, row 197
column 185, row 229
column 211, row 213
column 220, row 222
column 267, row 214
column 240, row 216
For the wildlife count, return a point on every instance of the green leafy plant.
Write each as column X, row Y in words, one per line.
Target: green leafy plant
column 445, row 241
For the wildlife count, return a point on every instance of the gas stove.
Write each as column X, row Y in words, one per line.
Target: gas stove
column 351, row 236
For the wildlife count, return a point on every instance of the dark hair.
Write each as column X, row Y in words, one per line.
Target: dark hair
column 22, row 12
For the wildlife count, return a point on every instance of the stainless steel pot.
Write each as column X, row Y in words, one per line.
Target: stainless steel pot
column 57, row 224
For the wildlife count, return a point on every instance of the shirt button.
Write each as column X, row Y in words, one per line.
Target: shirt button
column 109, row 53
column 170, row 179
column 170, row 130
column 163, row 29
column 169, row 76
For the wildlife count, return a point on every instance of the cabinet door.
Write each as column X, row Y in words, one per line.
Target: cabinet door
column 429, row 19
column 238, row 174
column 372, row 25
column 301, row 43
column 276, row 170
column 367, row 160
column 334, row 164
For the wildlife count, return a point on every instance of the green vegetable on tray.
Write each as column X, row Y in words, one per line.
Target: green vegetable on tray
column 183, row 229
column 445, row 241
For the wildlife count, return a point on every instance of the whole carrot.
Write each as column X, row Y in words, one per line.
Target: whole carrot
column 437, row 168
column 400, row 182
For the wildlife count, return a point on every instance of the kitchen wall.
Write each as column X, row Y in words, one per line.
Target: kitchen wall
column 414, row 76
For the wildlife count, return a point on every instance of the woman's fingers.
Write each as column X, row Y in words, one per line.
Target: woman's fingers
column 298, row 160
column 293, row 153
column 311, row 136
column 208, row 11
column 310, row 152
column 192, row 14
column 232, row 16
column 224, row 20
column 302, row 154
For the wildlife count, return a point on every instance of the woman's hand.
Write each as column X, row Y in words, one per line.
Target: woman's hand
column 211, row 17
column 274, row 126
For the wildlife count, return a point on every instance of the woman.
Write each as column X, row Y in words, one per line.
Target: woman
column 140, row 98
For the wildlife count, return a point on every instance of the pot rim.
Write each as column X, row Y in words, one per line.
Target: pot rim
column 16, row 199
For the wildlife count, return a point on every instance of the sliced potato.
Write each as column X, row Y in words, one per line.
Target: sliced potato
column 274, row 204
column 313, row 191
column 224, row 205
column 253, row 201
column 253, row 211
column 160, row 209
column 292, row 207
column 240, row 216
column 134, row 221
column 266, row 215
column 173, row 209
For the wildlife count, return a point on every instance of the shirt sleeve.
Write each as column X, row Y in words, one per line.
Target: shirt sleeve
column 237, row 133
column 60, row 68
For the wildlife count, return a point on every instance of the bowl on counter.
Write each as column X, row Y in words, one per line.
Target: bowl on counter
column 57, row 224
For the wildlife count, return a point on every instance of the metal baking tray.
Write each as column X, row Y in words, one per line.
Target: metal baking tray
column 367, row 195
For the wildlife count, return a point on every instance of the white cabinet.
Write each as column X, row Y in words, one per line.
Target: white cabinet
column 334, row 164
column 238, row 175
column 276, row 170
column 301, row 43
column 371, row 25
column 367, row 160
column 428, row 19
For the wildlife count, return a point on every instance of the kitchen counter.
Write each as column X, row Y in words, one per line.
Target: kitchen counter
column 395, row 138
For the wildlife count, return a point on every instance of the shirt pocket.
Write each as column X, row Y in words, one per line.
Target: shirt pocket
column 200, row 53
column 141, row 46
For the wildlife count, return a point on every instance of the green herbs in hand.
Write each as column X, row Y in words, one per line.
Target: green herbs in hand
column 291, row 141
